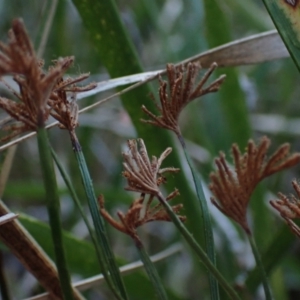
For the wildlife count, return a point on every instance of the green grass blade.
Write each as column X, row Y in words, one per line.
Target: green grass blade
column 151, row 271
column 205, row 222
column 101, row 234
column 260, row 266
column 285, row 15
column 198, row 250
column 53, row 206
column 273, row 255
column 77, row 202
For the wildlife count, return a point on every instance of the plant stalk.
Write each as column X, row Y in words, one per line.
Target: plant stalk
column 109, row 265
column 205, row 221
column 198, row 250
column 260, row 267
column 151, row 270
column 79, row 206
column 53, row 207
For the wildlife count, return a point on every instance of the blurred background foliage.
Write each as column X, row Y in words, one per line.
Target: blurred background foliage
column 255, row 100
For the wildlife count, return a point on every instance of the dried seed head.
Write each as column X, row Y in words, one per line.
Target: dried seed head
column 40, row 93
column 143, row 175
column 233, row 189
column 141, row 211
column 63, row 108
column 182, row 90
column 289, row 208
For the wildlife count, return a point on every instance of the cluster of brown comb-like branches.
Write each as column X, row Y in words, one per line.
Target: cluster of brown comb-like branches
column 40, row 93
column 232, row 189
column 289, row 208
column 182, row 90
column 64, row 109
column 140, row 212
column 143, row 176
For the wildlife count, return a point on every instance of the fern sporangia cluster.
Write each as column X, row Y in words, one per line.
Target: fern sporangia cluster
column 179, row 91
column 145, row 177
column 289, row 207
column 41, row 93
column 232, row 189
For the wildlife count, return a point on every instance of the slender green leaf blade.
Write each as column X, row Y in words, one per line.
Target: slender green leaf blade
column 286, row 17
column 53, row 207
column 152, row 272
column 272, row 256
column 101, row 234
column 205, row 222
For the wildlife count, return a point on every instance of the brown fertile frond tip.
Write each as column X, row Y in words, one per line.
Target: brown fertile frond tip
column 143, row 175
column 289, row 208
column 140, row 212
column 40, row 93
column 182, row 90
column 232, row 189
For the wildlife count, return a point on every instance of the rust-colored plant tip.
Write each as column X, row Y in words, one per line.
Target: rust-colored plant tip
column 181, row 91
column 232, row 189
column 143, row 175
column 63, row 108
column 289, row 207
column 140, row 212
column 41, row 93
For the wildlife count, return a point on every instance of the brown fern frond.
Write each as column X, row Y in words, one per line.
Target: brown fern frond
column 182, row 90
column 232, row 189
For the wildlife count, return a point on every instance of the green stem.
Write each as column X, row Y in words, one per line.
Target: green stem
column 53, row 207
column 260, row 267
column 82, row 213
column 108, row 260
column 205, row 221
column 151, row 270
column 198, row 250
